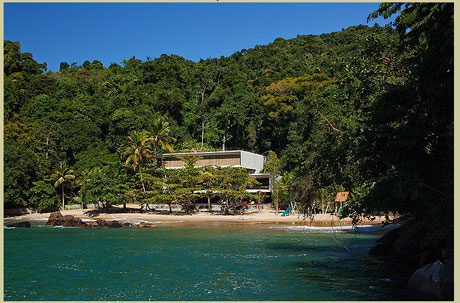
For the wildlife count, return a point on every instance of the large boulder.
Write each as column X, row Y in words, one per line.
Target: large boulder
column 406, row 245
column 57, row 219
column 108, row 224
column 20, row 225
column 436, row 278
column 93, row 225
column 71, row 221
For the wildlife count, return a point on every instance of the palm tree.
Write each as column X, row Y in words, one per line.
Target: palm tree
column 62, row 174
column 82, row 181
column 161, row 138
column 137, row 150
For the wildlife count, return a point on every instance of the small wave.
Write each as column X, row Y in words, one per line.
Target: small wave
column 362, row 228
column 88, row 220
column 131, row 221
column 31, row 219
column 163, row 222
column 321, row 228
column 137, row 221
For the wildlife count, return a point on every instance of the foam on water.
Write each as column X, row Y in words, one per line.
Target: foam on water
column 164, row 222
column 32, row 219
column 88, row 220
column 138, row 221
column 329, row 229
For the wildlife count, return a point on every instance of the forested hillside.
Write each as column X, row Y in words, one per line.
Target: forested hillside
column 366, row 109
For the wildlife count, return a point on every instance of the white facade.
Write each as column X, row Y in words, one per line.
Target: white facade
column 252, row 161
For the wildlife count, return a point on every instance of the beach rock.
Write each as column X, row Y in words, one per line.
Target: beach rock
column 126, row 224
column 436, row 278
column 145, row 224
column 378, row 250
column 25, row 224
column 93, row 225
column 71, row 221
column 408, row 241
column 57, row 219
column 101, row 223
column 406, row 245
column 115, row 224
column 390, row 237
column 108, row 224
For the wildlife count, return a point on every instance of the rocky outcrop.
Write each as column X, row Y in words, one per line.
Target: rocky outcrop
column 406, row 245
column 93, row 225
column 108, row 224
column 20, row 225
column 71, row 221
column 57, row 219
column 436, row 278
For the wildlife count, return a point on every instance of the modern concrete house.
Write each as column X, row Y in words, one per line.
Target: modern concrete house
column 254, row 163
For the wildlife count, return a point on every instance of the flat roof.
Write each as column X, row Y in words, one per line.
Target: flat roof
column 212, row 153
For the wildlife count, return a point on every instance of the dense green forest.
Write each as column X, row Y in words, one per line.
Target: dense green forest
column 367, row 109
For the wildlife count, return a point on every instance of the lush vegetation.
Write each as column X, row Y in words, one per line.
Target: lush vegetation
column 367, row 109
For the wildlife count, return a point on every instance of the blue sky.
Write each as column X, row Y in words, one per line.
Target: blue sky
column 112, row 32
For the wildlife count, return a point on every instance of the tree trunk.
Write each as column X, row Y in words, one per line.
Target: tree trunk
column 142, row 179
column 202, row 134
column 154, row 156
column 62, row 194
column 143, row 186
column 209, row 204
column 223, row 139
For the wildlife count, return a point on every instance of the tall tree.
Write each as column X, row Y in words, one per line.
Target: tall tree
column 161, row 138
column 273, row 167
column 62, row 175
column 138, row 149
column 410, row 133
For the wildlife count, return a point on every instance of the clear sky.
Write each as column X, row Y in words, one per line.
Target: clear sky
column 113, row 32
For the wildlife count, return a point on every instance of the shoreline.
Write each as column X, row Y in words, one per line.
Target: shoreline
column 266, row 217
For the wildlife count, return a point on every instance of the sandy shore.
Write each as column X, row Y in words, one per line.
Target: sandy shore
column 266, row 216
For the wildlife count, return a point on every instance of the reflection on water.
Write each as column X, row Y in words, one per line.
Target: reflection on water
column 193, row 262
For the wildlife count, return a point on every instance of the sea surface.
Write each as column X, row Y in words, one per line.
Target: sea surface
column 193, row 262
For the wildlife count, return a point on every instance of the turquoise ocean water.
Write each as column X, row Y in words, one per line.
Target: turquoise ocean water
column 195, row 262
